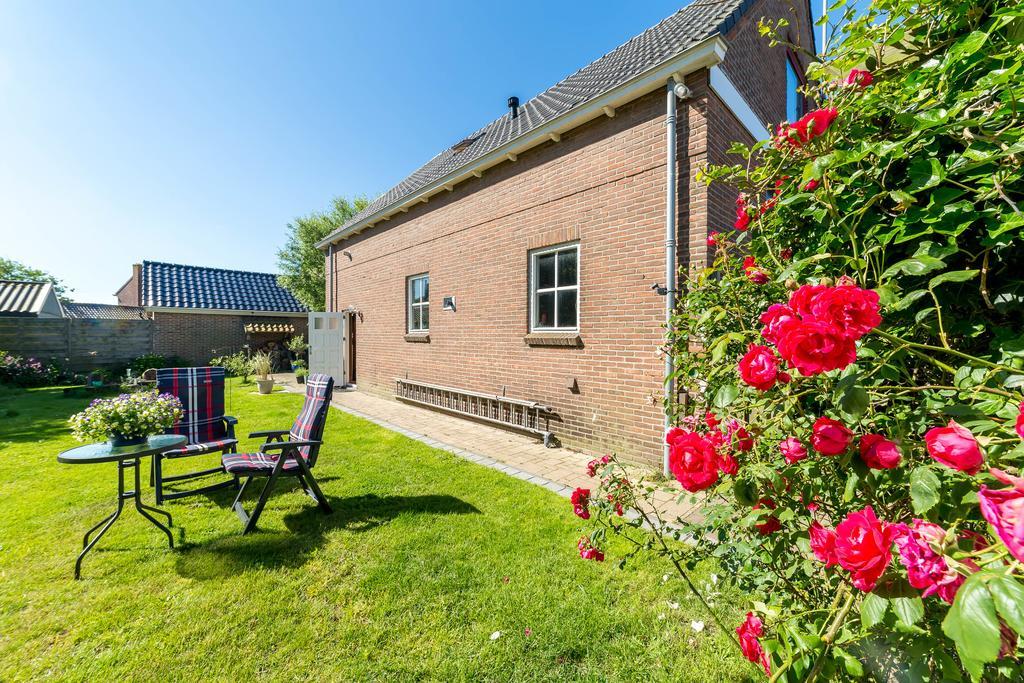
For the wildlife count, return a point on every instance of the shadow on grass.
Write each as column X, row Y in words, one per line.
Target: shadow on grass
column 36, row 414
column 307, row 530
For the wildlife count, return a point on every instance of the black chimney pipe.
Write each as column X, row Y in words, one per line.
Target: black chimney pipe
column 513, row 104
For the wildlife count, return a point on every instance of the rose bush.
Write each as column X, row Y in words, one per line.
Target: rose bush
column 852, row 428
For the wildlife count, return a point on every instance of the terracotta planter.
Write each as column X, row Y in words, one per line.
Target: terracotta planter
column 265, row 385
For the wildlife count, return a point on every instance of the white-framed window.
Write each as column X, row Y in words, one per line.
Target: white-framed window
column 795, row 105
column 555, row 289
column 417, row 295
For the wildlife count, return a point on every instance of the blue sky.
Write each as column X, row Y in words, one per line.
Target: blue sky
column 194, row 132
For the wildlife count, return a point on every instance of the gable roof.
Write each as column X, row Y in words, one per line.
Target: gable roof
column 698, row 21
column 171, row 285
column 104, row 311
column 28, row 299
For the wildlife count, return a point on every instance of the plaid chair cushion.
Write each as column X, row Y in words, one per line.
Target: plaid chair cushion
column 254, row 463
column 198, row 448
column 309, row 425
column 201, row 391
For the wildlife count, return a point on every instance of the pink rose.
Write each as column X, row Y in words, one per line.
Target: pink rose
column 792, row 450
column 864, row 547
column 1004, row 510
column 878, row 452
column 823, row 544
column 926, row 569
column 954, row 446
column 830, row 437
column 754, row 273
column 759, row 367
column 588, row 551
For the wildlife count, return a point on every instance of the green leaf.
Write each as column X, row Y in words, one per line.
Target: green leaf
column 851, row 664
column 726, row 395
column 872, row 610
column 924, row 489
column 966, row 46
column 972, row 624
column 919, row 265
column 854, row 401
column 1008, row 595
column 908, row 610
column 952, row 276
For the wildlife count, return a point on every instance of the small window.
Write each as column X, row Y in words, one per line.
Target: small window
column 794, row 98
column 555, row 289
column 418, row 296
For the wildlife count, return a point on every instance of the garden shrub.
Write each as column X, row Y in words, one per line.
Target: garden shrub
column 30, row 372
column 235, row 364
column 853, row 363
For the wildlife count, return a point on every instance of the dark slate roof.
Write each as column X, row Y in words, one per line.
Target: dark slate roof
column 698, row 21
column 103, row 311
column 169, row 285
column 22, row 298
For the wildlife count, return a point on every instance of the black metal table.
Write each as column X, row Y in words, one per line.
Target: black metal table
column 126, row 457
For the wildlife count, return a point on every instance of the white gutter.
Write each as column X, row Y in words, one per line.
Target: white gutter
column 225, row 311
column 703, row 55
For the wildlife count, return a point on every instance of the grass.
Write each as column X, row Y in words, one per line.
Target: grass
column 425, row 556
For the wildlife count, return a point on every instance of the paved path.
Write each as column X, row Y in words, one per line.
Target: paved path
column 525, row 457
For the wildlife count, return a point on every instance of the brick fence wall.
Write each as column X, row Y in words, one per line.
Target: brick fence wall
column 198, row 337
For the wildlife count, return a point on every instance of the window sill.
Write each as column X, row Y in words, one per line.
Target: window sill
column 420, row 337
column 572, row 339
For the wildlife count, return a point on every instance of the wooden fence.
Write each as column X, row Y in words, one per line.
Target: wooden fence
column 77, row 343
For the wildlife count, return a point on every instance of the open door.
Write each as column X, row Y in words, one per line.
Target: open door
column 328, row 345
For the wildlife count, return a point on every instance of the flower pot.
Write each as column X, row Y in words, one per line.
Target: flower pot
column 119, row 440
column 300, row 379
column 265, row 385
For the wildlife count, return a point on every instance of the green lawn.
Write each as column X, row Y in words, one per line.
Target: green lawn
column 425, row 556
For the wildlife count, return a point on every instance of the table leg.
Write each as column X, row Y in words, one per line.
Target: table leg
column 137, row 495
column 106, row 524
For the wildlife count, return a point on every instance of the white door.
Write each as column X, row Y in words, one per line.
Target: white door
column 328, row 339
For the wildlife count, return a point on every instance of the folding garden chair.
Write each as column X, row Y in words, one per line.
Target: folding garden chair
column 292, row 458
column 203, row 422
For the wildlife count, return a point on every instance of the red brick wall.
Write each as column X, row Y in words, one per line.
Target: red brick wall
column 129, row 294
column 198, row 337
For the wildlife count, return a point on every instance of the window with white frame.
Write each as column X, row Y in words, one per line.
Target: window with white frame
column 795, row 105
column 555, row 289
column 418, row 306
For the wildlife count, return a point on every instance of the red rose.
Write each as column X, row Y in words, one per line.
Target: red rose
column 773, row 319
column 815, row 346
column 1004, row 510
column 759, row 367
column 713, row 238
column 588, row 551
column 1019, row 427
column 823, row 544
column 710, row 419
column 728, row 464
column 581, row 503
column 748, row 633
column 830, row 437
column 852, row 309
column 742, row 216
column 954, row 446
column 810, row 185
column 800, row 301
column 786, row 253
column 693, row 460
column 859, row 77
column 878, row 452
column 792, row 450
column 739, row 436
column 864, row 547
column 754, row 273
column 814, row 124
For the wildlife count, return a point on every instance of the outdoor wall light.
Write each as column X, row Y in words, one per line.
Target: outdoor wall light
column 448, row 303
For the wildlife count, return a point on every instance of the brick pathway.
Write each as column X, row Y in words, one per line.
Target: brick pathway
column 525, row 457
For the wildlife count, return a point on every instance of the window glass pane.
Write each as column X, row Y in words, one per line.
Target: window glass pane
column 567, row 308
column 545, row 271
column 424, row 317
column 425, row 289
column 546, row 309
column 567, row 268
column 792, row 96
column 414, row 321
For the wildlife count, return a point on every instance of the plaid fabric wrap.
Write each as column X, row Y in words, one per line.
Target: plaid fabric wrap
column 309, row 425
column 201, row 391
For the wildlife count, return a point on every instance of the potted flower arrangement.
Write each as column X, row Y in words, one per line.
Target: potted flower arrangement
column 261, row 367
column 126, row 420
column 300, row 373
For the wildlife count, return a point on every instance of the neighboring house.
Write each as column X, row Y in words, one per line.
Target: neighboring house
column 550, row 226
column 28, row 299
column 103, row 312
column 202, row 312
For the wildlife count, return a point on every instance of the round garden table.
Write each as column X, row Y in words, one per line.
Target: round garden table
column 126, row 457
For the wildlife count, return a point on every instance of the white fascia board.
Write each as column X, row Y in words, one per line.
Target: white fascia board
column 705, row 54
column 737, row 104
column 225, row 311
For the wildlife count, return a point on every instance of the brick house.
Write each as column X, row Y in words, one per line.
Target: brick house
column 520, row 261
column 199, row 313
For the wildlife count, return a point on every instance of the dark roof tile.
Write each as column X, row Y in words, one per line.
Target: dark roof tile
column 170, row 285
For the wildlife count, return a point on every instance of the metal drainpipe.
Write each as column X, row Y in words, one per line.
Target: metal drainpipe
column 330, row 270
column 673, row 90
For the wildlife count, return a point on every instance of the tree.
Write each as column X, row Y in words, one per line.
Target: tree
column 300, row 262
column 13, row 270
